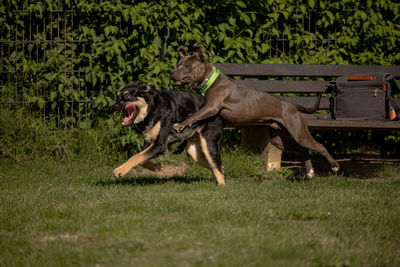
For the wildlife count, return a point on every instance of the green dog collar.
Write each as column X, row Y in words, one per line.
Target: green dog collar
column 209, row 81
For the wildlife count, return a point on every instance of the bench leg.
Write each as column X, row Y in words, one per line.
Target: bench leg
column 272, row 157
column 257, row 140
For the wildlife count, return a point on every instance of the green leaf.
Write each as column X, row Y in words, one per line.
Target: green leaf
column 76, row 96
column 275, row 16
column 157, row 41
column 245, row 18
column 241, row 4
column 311, row 3
column 40, row 102
column 53, row 95
column 61, row 89
column 186, row 20
column 265, row 47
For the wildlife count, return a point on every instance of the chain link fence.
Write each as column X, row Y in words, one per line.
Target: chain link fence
column 40, row 49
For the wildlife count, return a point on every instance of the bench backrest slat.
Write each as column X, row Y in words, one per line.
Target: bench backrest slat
column 285, row 86
column 307, row 101
column 300, row 70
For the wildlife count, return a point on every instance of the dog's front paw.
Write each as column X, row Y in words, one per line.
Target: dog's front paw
column 120, row 171
column 178, row 127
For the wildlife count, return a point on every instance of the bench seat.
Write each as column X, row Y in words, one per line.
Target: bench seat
column 300, row 83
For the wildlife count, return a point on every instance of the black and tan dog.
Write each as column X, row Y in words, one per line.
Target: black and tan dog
column 153, row 113
column 240, row 104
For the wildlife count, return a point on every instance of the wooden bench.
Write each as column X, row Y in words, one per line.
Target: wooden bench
column 300, row 83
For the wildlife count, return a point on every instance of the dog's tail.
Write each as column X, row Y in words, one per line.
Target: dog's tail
column 303, row 109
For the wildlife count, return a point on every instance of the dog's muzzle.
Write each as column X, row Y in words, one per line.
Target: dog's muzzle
column 130, row 111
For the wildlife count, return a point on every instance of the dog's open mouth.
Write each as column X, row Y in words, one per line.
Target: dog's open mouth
column 130, row 111
column 183, row 81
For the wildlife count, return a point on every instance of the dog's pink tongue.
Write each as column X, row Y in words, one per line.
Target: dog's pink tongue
column 126, row 121
column 130, row 107
column 130, row 110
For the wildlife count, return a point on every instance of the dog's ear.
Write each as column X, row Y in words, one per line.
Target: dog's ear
column 182, row 52
column 148, row 88
column 197, row 51
column 145, row 88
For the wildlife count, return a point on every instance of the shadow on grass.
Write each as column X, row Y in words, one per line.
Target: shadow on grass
column 150, row 180
column 359, row 166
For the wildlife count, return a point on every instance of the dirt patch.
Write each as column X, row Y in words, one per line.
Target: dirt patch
column 166, row 171
column 67, row 237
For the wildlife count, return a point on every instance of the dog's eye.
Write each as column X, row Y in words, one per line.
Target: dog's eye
column 125, row 95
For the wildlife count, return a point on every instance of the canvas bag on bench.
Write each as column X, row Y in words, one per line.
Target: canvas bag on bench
column 365, row 97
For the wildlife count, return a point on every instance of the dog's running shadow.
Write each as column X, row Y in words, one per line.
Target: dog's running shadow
column 150, row 180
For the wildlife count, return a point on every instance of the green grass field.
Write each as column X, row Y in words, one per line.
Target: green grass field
column 74, row 213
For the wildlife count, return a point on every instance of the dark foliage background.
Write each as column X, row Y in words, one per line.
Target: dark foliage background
column 62, row 61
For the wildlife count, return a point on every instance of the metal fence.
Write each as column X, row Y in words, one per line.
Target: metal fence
column 40, row 48
column 299, row 24
column 44, row 47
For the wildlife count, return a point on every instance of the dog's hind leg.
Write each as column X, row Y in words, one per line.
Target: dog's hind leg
column 296, row 125
column 213, row 156
column 310, row 143
column 309, row 167
column 199, row 150
column 210, row 141
column 193, row 148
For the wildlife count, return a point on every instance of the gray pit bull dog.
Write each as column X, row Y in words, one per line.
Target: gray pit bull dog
column 240, row 104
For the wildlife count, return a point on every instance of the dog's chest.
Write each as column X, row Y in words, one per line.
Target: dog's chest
column 143, row 109
column 152, row 134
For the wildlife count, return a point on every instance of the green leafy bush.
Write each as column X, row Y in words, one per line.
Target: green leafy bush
column 25, row 136
column 99, row 46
